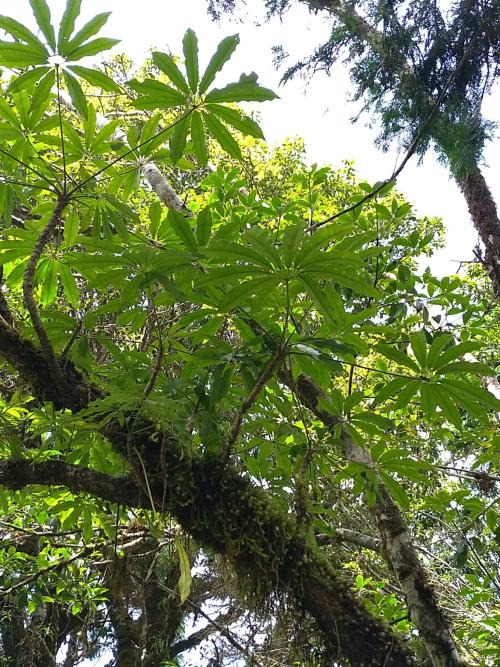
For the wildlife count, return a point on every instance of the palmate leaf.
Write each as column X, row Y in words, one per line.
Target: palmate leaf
column 222, row 251
column 157, row 95
column 245, row 90
column 319, row 297
column 391, row 388
column 96, row 78
column 238, row 120
column 76, row 93
column 190, row 49
column 69, row 285
column 183, row 230
column 41, row 13
column 455, row 352
column 222, row 54
column 16, row 54
column 249, row 289
column 166, row 64
column 92, row 48
column 27, row 80
column 292, row 238
column 419, row 347
column 67, row 25
column 178, row 139
column 198, row 138
column 204, row 226
column 19, row 31
column 89, row 30
column 223, row 137
column 394, row 354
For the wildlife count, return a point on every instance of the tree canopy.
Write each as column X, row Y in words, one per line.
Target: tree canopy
column 423, row 69
column 236, row 413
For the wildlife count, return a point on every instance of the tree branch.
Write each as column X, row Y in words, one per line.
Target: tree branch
column 17, row 474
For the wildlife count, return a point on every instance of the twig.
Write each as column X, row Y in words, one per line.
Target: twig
column 413, row 147
column 264, row 377
column 48, row 350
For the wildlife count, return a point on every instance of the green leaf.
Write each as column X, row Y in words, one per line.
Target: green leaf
column 41, row 13
column 319, row 298
column 69, row 285
column 96, row 78
column 71, row 228
column 76, row 93
column 454, row 352
column 103, row 135
column 394, row 354
column 447, row 405
column 159, row 95
column 229, row 251
column 15, row 54
column 220, row 382
column 292, row 237
column 406, row 394
column 92, row 48
column 248, row 289
column 7, row 112
column 91, row 28
column 67, row 25
column 239, row 121
column 198, row 138
column 419, row 347
column 183, row 230
column 245, row 90
column 467, row 367
column 204, row 226
column 437, row 346
column 391, row 388
column 49, row 286
column 223, row 53
column 396, row 490
column 190, row 49
column 42, row 92
column 226, row 141
column 478, row 394
column 428, row 399
column 466, row 401
column 185, row 568
column 166, row 64
column 263, row 243
column 178, row 138
column 26, row 80
column 19, row 31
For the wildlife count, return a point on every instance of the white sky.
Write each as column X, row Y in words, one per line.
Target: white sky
column 317, row 111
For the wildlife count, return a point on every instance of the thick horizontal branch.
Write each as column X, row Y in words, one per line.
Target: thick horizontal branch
column 351, row 536
column 31, row 364
column 17, row 474
column 222, row 509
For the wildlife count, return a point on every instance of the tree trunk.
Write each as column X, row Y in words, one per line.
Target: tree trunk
column 484, row 214
column 396, row 542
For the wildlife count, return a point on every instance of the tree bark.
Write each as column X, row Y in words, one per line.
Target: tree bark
column 396, row 542
column 484, row 214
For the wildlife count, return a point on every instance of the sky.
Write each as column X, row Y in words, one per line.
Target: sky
column 315, row 109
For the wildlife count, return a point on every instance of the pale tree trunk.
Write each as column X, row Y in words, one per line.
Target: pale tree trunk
column 396, row 543
column 151, row 173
